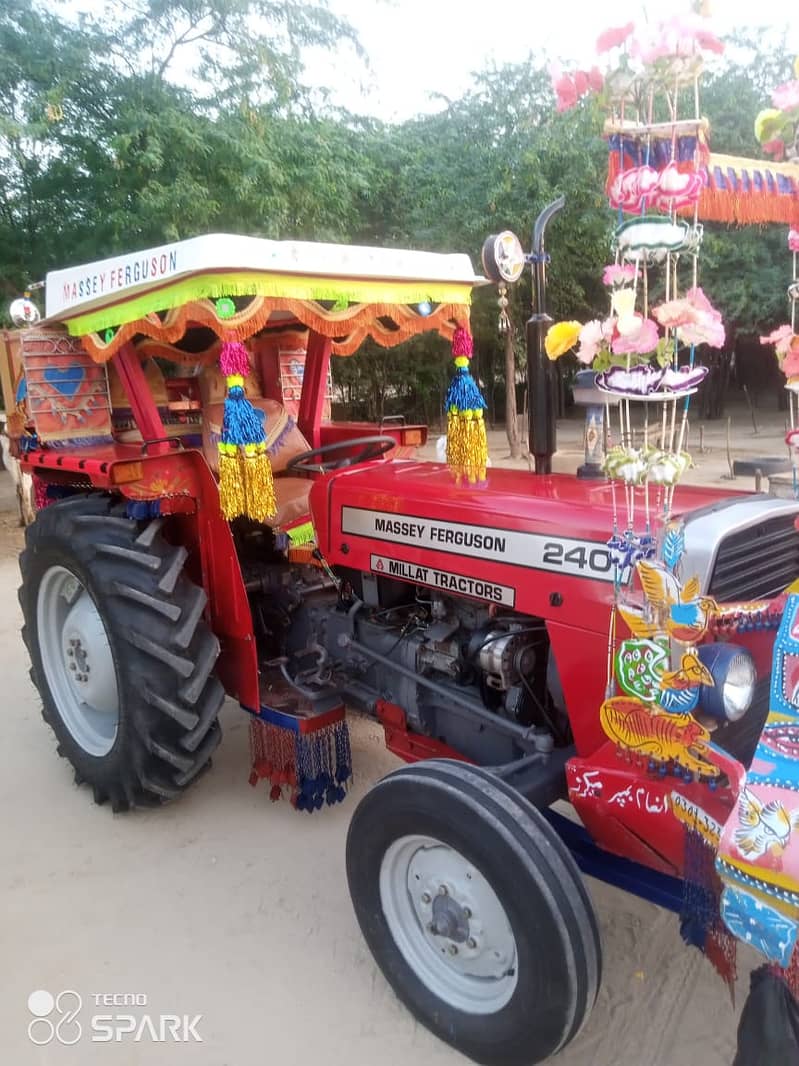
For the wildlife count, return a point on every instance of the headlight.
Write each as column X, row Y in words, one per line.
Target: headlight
column 734, row 676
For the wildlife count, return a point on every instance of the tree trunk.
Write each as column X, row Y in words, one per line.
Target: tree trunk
column 511, row 415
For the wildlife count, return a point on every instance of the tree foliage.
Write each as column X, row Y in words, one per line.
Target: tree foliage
column 160, row 119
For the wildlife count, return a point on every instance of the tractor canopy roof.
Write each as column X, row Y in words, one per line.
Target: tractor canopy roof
column 237, row 285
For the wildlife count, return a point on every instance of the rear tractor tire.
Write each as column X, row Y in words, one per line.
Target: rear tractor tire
column 475, row 912
column 119, row 650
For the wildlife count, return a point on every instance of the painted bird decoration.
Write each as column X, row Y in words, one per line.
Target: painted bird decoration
column 680, row 689
column 763, row 826
column 685, row 614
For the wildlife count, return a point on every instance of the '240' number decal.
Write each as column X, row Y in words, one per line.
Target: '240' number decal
column 580, row 558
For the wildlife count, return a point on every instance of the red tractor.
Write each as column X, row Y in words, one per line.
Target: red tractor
column 170, row 564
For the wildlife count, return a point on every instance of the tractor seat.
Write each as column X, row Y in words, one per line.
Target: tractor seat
column 283, row 440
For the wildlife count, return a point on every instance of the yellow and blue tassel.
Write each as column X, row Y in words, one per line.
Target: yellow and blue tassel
column 246, row 485
column 467, row 444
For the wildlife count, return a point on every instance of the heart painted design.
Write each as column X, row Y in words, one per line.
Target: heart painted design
column 67, row 381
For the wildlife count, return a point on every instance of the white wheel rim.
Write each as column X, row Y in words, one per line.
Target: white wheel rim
column 77, row 660
column 448, row 924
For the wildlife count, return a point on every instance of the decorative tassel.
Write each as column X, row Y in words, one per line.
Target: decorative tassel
column 246, row 485
column 701, row 924
column 259, row 485
column 40, row 497
column 467, row 445
column 307, row 759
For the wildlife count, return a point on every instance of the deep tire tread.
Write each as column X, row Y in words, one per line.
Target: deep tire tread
column 164, row 650
column 481, row 815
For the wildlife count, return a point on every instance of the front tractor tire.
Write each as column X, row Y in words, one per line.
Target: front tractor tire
column 119, row 650
column 474, row 911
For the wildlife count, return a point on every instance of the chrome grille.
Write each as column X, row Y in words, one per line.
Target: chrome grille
column 756, row 562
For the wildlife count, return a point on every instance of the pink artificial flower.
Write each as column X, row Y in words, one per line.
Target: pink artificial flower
column 674, row 313
column 682, row 35
column 649, row 51
column 596, row 79
column 775, row 147
column 580, row 78
column 570, row 87
column 613, row 38
column 781, row 338
column 701, row 302
column 694, row 318
column 565, row 90
column 786, row 97
column 708, row 41
column 619, row 274
column 593, row 336
column 793, row 240
column 706, row 327
column 641, row 341
column 790, row 364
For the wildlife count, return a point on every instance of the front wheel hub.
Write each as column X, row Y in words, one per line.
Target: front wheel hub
column 449, row 924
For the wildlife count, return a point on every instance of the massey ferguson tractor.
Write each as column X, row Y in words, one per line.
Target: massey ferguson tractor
column 205, row 529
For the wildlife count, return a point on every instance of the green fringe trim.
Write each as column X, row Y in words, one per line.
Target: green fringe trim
column 303, row 534
column 289, row 286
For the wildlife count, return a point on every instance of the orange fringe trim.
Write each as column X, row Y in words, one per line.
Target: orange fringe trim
column 347, row 328
column 747, row 208
column 733, row 206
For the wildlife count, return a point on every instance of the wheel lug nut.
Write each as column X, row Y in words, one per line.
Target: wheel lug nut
column 72, row 666
column 426, row 897
column 442, row 890
column 467, row 913
column 471, row 942
column 453, row 949
column 70, row 651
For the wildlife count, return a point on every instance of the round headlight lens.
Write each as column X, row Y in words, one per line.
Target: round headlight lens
column 738, row 687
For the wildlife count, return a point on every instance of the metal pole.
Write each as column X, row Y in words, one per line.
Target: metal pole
column 541, row 378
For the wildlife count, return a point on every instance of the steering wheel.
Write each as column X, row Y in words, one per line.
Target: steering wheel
column 370, row 448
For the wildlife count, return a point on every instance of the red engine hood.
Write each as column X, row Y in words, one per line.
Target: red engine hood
column 529, row 535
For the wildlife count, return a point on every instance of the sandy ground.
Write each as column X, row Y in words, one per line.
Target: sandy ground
column 230, row 907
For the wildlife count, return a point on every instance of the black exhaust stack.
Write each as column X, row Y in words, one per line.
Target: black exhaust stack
column 541, row 377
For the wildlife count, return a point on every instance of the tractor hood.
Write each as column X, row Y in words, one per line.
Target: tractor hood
column 532, row 542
